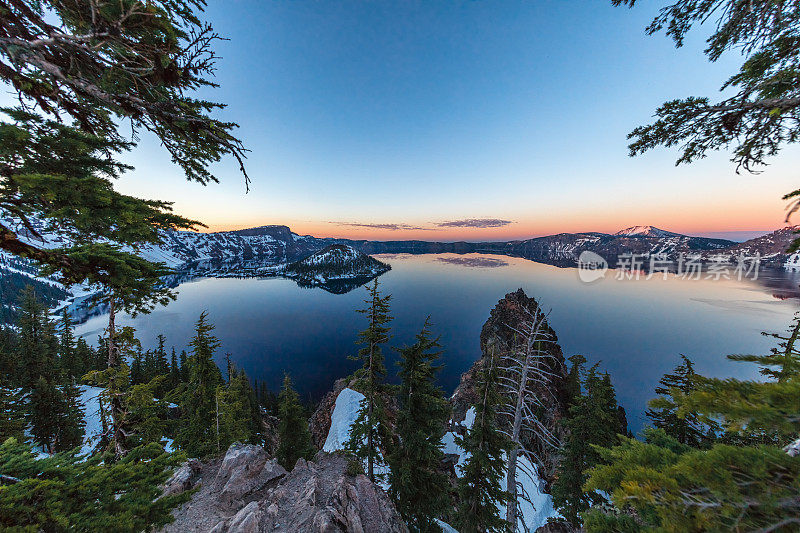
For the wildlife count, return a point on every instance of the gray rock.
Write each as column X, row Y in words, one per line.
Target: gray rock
column 249, row 493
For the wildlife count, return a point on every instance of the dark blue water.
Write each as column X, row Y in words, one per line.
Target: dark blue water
column 636, row 328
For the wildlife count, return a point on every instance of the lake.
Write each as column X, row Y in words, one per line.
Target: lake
column 636, row 328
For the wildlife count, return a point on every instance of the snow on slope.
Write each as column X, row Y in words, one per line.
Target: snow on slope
column 536, row 512
column 345, row 411
column 344, row 415
column 90, row 402
column 646, row 231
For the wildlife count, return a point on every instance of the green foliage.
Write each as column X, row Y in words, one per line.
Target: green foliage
column 117, row 60
column 293, row 433
column 479, row 491
column 37, row 345
column 12, row 412
column 419, row 487
column 197, row 435
column 682, row 424
column 752, row 485
column 65, row 493
column 57, row 178
column 371, row 431
column 593, row 420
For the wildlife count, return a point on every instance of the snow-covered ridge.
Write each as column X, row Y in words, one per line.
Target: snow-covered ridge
column 646, row 231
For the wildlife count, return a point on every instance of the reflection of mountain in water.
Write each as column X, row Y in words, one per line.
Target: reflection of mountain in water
column 781, row 284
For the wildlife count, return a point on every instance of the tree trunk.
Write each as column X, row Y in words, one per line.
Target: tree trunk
column 116, row 409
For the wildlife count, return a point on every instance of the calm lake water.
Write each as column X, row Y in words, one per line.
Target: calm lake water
column 636, row 328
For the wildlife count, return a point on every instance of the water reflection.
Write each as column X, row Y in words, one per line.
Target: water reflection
column 637, row 329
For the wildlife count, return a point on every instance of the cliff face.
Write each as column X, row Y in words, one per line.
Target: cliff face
column 245, row 492
column 498, row 337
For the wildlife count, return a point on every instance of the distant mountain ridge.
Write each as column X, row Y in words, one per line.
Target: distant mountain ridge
column 268, row 250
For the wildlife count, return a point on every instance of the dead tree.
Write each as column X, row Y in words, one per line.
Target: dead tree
column 524, row 374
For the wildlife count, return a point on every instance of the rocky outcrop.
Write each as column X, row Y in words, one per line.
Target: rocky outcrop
column 498, row 336
column 245, row 492
column 320, row 422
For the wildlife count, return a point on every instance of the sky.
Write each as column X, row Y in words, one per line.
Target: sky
column 458, row 120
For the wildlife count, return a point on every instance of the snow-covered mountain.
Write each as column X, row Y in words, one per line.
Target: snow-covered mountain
column 646, row 231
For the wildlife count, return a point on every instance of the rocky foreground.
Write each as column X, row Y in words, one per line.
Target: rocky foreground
column 246, row 492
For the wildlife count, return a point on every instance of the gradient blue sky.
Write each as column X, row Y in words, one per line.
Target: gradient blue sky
column 416, row 113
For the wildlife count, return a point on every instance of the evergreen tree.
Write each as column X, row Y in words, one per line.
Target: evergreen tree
column 84, row 357
column 146, row 415
column 174, row 371
column 115, row 379
column 479, row 491
column 184, row 367
column 293, row 433
column 233, row 411
column 198, row 435
column 56, row 419
column 370, row 430
column 160, row 363
column 66, row 493
column 37, row 344
column 749, row 486
column 71, row 419
column 12, row 411
column 593, row 420
column 66, row 348
column 419, row 487
column 685, row 427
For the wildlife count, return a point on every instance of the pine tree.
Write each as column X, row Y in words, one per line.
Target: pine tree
column 748, row 486
column 12, row 411
column 685, row 427
column 235, row 420
column 56, row 419
column 293, row 433
column 174, row 371
column 479, row 491
column 71, row 419
column 593, row 420
column 67, row 493
column 184, row 367
column 370, row 430
column 66, row 348
column 160, row 363
column 84, row 357
column 37, row 344
column 146, row 416
column 197, row 435
column 418, row 485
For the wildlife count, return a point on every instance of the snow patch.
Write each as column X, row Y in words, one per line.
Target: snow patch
column 345, row 412
column 90, row 404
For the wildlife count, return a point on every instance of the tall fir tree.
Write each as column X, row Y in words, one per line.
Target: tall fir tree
column 479, row 490
column 174, row 371
column 12, row 411
column 293, row 432
column 38, row 345
column 371, row 431
column 66, row 348
column 197, row 435
column 419, row 487
column 684, row 426
column 593, row 420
